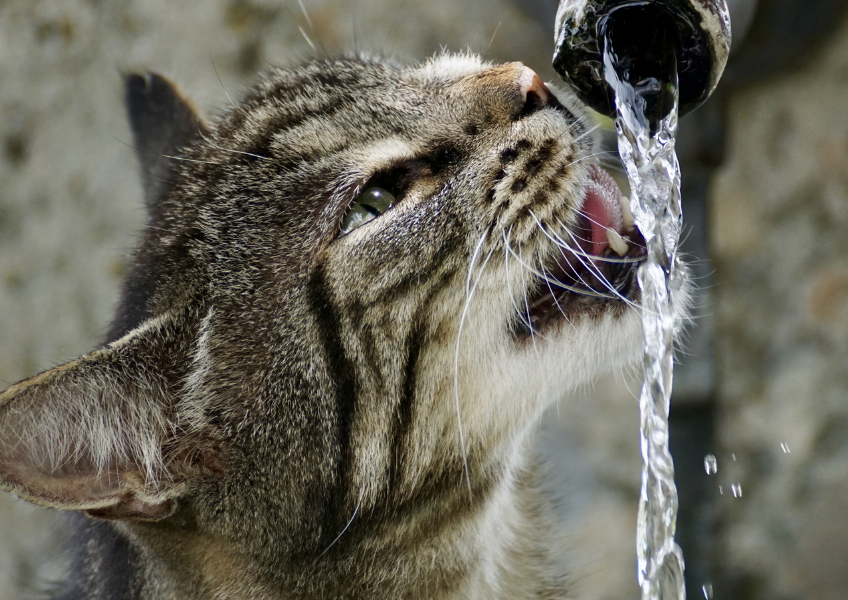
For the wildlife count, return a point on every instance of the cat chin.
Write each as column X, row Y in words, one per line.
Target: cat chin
column 575, row 349
column 527, row 375
column 573, row 352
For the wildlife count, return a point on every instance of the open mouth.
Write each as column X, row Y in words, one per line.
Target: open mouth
column 596, row 262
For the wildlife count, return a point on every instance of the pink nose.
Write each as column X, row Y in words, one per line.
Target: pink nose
column 534, row 92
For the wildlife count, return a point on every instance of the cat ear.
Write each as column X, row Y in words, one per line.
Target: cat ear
column 162, row 120
column 100, row 434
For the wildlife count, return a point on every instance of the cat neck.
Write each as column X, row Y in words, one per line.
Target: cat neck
column 498, row 543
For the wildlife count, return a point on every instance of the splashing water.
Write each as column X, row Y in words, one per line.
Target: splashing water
column 646, row 124
column 710, row 464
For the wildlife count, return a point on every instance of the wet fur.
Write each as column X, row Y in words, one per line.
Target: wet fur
column 283, row 412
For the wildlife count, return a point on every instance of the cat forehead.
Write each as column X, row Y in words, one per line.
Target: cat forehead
column 325, row 106
column 447, row 67
column 364, row 74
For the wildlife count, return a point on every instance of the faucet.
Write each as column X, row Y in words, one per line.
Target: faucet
column 693, row 35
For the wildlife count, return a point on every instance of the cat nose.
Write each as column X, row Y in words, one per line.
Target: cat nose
column 535, row 95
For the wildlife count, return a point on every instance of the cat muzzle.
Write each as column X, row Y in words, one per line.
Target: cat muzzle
column 595, row 260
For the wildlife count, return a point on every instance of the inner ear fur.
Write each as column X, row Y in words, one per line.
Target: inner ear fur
column 103, row 433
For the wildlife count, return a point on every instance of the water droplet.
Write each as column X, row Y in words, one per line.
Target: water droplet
column 736, row 488
column 785, row 447
column 733, row 456
column 710, row 464
column 721, row 490
column 707, row 590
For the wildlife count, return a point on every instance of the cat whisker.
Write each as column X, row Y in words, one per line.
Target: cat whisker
column 582, row 159
column 565, row 286
column 306, row 37
column 580, row 255
column 524, row 290
column 207, row 162
column 489, row 47
column 505, row 236
column 547, row 279
column 208, row 141
column 586, row 133
column 194, row 160
column 470, row 288
column 563, row 246
column 585, row 214
column 590, row 265
column 303, row 31
column 608, row 153
column 600, row 276
column 556, row 301
column 305, row 15
column 516, row 310
column 346, row 527
column 605, row 259
column 474, row 256
column 594, row 268
column 226, row 93
column 610, row 162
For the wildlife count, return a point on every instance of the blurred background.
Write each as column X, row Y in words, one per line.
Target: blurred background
column 763, row 377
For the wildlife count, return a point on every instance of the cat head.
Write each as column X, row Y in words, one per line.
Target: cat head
column 356, row 290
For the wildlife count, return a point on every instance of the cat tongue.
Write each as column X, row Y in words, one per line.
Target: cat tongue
column 602, row 208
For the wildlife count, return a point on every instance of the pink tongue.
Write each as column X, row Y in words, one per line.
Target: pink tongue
column 598, row 214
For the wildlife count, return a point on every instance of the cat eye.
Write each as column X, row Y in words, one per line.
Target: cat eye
column 369, row 205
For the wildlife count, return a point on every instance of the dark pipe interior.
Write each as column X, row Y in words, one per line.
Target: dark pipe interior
column 641, row 29
column 639, row 46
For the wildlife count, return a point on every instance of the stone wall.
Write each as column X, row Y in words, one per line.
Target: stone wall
column 70, row 206
column 780, row 244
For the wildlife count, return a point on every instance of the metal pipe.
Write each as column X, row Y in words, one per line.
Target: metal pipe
column 699, row 28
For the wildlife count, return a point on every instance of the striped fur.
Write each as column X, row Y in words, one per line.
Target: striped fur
column 330, row 416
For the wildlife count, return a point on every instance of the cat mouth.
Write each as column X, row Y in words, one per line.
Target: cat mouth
column 594, row 265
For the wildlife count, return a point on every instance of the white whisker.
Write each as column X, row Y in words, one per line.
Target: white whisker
column 489, row 47
column 470, row 288
column 564, row 245
column 474, row 256
column 203, row 162
column 209, row 142
column 525, row 290
column 607, row 228
column 226, row 93
column 306, row 37
column 600, row 276
column 346, row 527
column 570, row 288
column 306, row 15
column 521, row 315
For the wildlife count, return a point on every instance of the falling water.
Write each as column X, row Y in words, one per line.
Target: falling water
column 710, row 464
column 646, row 124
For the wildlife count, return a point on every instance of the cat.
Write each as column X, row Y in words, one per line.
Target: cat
column 357, row 292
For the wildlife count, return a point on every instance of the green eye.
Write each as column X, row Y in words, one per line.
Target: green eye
column 370, row 204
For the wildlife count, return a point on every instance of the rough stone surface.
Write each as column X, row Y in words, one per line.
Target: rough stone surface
column 779, row 217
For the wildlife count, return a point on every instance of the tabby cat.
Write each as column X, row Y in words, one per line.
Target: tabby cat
column 356, row 294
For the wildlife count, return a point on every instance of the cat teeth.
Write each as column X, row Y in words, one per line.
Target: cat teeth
column 616, row 242
column 626, row 216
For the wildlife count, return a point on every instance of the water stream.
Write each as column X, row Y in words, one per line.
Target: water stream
column 646, row 124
